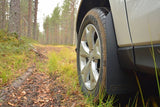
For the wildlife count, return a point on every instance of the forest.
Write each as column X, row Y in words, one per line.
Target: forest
column 39, row 68
column 20, row 17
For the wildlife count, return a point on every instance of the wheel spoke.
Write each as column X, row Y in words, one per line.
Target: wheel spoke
column 88, row 84
column 97, row 50
column 84, row 50
column 86, row 71
column 82, row 62
column 89, row 36
column 94, row 73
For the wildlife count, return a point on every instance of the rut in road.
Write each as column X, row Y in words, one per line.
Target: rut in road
column 45, row 90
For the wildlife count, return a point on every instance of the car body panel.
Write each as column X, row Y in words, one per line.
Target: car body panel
column 144, row 21
column 120, row 23
column 142, row 25
column 134, row 35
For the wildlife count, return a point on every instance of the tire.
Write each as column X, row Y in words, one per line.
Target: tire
column 91, row 53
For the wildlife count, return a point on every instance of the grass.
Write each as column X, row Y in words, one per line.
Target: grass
column 156, row 70
column 63, row 63
column 154, row 60
column 14, row 56
column 140, row 90
column 153, row 102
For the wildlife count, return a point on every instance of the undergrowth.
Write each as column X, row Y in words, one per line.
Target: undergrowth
column 14, row 56
column 63, row 63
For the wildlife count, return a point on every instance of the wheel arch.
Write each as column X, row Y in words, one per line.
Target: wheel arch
column 87, row 5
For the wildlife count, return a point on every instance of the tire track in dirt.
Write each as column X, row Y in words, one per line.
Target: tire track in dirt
column 43, row 90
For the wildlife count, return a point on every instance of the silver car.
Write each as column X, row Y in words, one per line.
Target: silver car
column 117, row 39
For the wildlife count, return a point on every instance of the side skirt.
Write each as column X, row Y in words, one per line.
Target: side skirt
column 141, row 58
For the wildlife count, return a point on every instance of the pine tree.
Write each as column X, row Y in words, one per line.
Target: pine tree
column 65, row 17
column 35, row 20
column 55, row 21
column 46, row 25
column 14, row 17
column 29, row 18
column 24, row 17
column 2, row 14
column 73, row 6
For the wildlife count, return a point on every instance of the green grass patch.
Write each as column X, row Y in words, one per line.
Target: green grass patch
column 64, row 63
column 15, row 56
column 53, row 62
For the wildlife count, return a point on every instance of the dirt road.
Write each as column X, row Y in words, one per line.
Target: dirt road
column 41, row 89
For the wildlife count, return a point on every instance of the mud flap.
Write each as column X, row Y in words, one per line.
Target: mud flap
column 118, row 81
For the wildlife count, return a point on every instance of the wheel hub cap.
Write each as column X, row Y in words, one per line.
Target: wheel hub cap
column 90, row 56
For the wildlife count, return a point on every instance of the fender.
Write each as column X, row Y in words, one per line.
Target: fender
column 119, row 13
column 87, row 5
column 121, row 26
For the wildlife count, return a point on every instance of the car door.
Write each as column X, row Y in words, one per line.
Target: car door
column 144, row 24
column 144, row 21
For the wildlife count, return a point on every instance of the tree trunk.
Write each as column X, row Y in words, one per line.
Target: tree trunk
column 73, row 22
column 47, row 35
column 29, row 18
column 14, row 18
column 35, row 20
column 2, row 14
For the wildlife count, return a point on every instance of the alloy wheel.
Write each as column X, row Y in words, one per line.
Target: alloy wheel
column 90, row 56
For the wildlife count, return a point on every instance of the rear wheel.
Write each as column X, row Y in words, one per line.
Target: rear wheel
column 91, row 53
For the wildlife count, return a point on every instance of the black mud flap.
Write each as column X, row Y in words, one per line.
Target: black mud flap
column 118, row 81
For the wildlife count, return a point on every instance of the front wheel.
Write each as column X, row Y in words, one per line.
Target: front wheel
column 98, row 66
column 91, row 53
